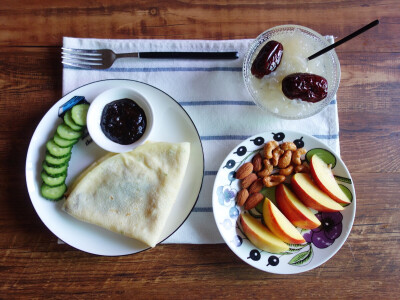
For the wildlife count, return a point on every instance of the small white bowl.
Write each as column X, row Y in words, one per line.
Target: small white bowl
column 95, row 112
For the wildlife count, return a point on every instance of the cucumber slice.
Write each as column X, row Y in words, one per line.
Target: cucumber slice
column 63, row 142
column 347, row 193
column 71, row 123
column 254, row 213
column 79, row 113
column 56, row 150
column 342, row 179
column 53, row 161
column 55, row 171
column 67, row 132
column 53, row 181
column 53, row 193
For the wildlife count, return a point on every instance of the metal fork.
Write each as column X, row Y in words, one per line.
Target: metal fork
column 104, row 58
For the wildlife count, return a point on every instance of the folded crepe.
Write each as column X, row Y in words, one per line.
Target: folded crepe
column 131, row 193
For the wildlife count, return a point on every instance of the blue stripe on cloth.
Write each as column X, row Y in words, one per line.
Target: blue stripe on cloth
column 222, row 102
column 244, row 137
column 223, row 137
column 202, row 209
column 210, row 173
column 166, row 69
column 326, row 137
column 216, row 102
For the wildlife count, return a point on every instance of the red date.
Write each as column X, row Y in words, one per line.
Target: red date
column 268, row 59
column 305, row 86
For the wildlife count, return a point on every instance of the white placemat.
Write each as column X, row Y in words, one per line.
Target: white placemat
column 214, row 95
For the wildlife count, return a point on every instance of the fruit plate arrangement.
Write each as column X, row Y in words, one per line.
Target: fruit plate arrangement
column 319, row 244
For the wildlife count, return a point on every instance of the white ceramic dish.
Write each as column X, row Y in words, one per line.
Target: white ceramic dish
column 171, row 123
column 322, row 243
column 95, row 113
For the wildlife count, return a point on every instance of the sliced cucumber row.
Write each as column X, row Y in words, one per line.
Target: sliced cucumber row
column 58, row 155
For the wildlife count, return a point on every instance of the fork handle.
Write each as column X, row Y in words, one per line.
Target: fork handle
column 190, row 55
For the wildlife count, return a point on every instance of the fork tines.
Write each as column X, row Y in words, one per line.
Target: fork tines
column 81, row 58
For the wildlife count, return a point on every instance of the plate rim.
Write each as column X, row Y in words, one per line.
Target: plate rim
column 58, row 102
column 325, row 146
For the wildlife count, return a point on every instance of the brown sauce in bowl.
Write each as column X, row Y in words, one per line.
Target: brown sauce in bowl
column 123, row 121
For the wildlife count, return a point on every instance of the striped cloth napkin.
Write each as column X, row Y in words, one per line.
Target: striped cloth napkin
column 214, row 95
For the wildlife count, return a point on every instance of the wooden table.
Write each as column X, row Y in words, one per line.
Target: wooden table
column 33, row 265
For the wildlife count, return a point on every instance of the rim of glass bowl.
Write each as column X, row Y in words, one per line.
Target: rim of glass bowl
column 266, row 35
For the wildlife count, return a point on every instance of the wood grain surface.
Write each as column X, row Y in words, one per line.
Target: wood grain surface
column 33, row 265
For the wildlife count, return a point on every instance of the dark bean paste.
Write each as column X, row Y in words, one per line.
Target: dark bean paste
column 123, row 121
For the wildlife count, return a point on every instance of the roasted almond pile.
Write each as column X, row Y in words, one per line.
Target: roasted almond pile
column 268, row 168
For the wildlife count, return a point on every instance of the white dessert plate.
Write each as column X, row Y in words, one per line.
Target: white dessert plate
column 171, row 124
column 321, row 243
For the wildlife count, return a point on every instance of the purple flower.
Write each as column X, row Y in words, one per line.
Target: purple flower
column 328, row 232
column 226, row 195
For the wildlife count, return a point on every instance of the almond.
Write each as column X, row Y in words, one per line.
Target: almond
column 244, row 171
column 247, row 181
column 256, row 186
column 257, row 162
column 242, row 196
column 253, row 200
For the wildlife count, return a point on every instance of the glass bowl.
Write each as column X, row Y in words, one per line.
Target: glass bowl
column 298, row 43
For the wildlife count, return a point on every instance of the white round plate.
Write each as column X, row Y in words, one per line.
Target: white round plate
column 171, row 124
column 321, row 243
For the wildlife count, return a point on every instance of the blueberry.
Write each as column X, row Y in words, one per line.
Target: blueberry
column 279, row 136
column 241, row 151
column 299, row 143
column 230, row 164
column 255, row 255
column 273, row 261
column 258, row 141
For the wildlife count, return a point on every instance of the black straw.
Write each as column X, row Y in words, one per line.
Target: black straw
column 345, row 39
